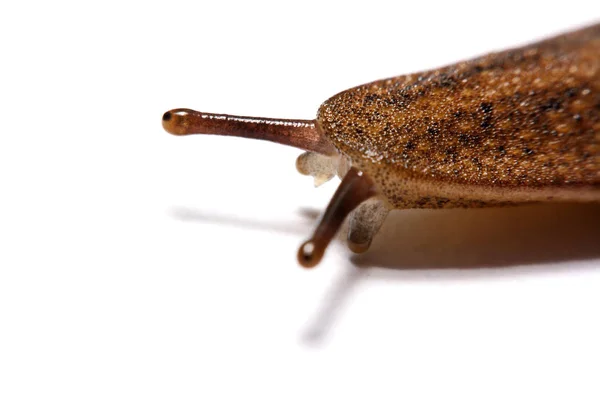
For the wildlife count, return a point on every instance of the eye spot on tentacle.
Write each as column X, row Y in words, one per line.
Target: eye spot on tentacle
column 309, row 254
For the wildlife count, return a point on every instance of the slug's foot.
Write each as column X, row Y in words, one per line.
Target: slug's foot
column 355, row 189
column 321, row 167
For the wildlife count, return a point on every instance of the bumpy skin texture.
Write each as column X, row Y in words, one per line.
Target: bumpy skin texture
column 515, row 126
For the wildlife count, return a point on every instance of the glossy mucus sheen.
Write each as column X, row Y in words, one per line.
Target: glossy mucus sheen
column 292, row 132
column 514, row 126
column 511, row 127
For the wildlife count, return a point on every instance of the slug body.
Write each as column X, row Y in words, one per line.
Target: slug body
column 520, row 125
column 507, row 128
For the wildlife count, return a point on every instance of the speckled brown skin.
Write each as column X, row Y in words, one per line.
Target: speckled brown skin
column 510, row 127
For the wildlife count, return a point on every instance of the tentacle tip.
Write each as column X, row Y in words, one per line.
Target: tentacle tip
column 175, row 121
column 359, row 248
column 322, row 179
column 309, row 255
column 301, row 166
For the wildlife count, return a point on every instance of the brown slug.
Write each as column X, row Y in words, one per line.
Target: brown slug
column 508, row 128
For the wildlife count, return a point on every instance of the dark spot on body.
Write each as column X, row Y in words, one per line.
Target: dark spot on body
column 527, row 151
column 390, row 101
column 422, row 201
column 552, row 104
column 433, row 131
column 397, row 199
column 441, row 202
column 389, row 129
column 577, row 117
column 399, row 101
column 501, row 150
column 486, row 108
column 571, row 92
column 486, row 123
column 371, row 98
column 446, row 81
column 409, row 146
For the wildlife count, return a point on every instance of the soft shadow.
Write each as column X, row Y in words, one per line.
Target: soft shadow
column 455, row 238
column 310, row 213
column 448, row 245
column 494, row 237
column 334, row 300
column 444, row 244
column 186, row 214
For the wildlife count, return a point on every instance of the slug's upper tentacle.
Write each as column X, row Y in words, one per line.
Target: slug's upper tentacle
column 302, row 134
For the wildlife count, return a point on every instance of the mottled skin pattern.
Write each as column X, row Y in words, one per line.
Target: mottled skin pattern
column 510, row 127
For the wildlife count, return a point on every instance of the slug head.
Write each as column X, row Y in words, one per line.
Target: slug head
column 354, row 189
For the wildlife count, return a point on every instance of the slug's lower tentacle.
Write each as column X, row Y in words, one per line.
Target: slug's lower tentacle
column 355, row 188
column 365, row 222
column 321, row 167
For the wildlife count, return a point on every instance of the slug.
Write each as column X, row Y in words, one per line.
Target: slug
column 508, row 128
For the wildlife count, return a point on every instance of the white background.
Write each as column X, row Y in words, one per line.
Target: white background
column 135, row 264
